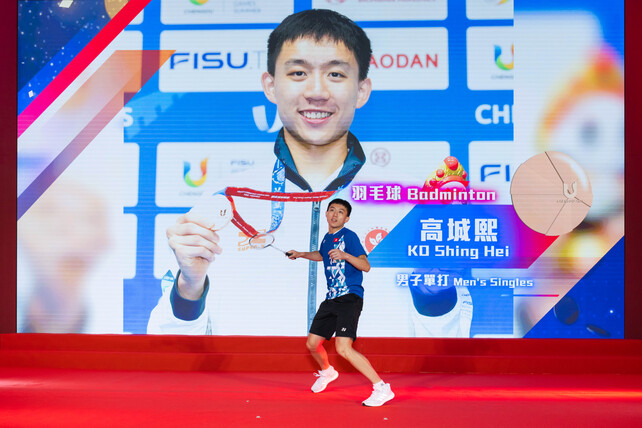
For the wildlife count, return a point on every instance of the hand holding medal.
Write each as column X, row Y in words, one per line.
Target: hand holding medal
column 213, row 212
column 262, row 240
column 216, row 211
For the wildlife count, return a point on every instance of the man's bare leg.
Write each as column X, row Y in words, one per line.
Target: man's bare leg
column 359, row 362
column 315, row 346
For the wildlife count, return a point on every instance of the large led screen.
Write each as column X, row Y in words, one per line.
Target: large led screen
column 484, row 167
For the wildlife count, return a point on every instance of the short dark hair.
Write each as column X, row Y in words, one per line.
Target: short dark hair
column 343, row 203
column 319, row 24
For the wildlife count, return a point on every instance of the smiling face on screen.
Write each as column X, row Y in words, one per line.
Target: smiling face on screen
column 316, row 88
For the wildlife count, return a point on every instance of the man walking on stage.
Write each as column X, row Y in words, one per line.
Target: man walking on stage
column 344, row 261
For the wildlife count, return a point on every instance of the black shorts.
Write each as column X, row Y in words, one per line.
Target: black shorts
column 340, row 315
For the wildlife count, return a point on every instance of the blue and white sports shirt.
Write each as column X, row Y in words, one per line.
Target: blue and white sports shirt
column 342, row 277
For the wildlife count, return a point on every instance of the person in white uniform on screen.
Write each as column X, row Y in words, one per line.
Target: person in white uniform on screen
column 317, row 76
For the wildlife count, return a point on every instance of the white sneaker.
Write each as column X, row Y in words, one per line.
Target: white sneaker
column 325, row 377
column 380, row 395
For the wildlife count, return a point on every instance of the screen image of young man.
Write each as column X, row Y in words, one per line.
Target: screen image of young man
column 317, row 76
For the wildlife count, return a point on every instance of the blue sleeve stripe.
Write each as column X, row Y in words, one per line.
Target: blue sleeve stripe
column 184, row 309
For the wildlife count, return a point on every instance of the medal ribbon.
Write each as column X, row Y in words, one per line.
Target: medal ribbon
column 277, row 196
column 245, row 192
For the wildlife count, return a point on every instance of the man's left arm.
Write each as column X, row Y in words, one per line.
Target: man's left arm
column 360, row 262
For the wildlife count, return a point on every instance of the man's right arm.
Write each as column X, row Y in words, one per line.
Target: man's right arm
column 194, row 247
column 182, row 310
column 175, row 315
column 310, row 255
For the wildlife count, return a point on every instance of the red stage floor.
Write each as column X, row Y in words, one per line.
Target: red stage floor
column 38, row 397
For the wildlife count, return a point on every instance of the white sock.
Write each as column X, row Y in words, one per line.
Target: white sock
column 378, row 384
column 328, row 370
